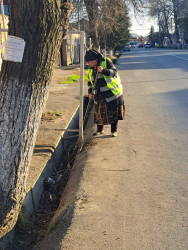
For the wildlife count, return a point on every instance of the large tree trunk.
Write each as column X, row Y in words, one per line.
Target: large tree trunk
column 24, row 90
column 92, row 10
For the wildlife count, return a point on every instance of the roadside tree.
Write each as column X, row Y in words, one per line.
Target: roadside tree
column 102, row 16
column 162, row 10
column 24, row 90
column 178, row 12
column 167, row 12
column 113, row 19
column 119, row 35
column 93, row 16
column 78, row 14
column 185, row 23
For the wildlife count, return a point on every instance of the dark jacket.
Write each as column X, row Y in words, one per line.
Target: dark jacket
column 109, row 71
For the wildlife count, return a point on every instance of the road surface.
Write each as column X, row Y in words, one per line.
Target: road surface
column 133, row 190
column 156, row 148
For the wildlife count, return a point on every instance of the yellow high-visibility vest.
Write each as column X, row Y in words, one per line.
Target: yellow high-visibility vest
column 113, row 83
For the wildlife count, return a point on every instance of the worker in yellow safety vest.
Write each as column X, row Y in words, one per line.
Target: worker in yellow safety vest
column 104, row 86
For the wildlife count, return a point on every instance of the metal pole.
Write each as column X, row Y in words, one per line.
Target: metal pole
column 81, row 109
column 3, row 30
column 81, row 136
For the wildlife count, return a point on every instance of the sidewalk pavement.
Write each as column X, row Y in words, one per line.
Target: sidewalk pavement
column 86, row 218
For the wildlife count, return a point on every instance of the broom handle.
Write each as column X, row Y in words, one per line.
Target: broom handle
column 90, row 100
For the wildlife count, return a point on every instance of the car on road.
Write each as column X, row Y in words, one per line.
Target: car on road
column 132, row 44
column 147, row 46
column 126, row 48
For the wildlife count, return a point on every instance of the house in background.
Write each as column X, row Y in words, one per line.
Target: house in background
column 70, row 50
column 4, row 20
column 5, row 7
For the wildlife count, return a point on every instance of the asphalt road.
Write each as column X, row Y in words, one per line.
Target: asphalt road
column 156, row 141
column 131, row 192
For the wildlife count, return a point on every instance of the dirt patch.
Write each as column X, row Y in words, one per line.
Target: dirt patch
column 37, row 226
column 66, row 73
column 49, row 116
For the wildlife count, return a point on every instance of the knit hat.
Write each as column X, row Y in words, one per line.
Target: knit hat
column 91, row 55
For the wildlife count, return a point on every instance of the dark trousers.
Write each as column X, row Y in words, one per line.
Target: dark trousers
column 114, row 127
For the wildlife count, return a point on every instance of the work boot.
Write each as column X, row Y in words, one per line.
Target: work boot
column 114, row 134
column 98, row 133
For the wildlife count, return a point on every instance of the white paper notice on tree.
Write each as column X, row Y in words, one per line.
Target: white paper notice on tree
column 14, row 49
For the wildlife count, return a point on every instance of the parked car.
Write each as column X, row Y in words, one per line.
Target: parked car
column 147, row 46
column 126, row 48
column 132, row 44
column 140, row 46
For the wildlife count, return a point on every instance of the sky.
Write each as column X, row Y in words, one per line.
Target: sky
column 142, row 25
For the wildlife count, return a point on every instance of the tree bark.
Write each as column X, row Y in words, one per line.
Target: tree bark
column 175, row 12
column 92, row 10
column 24, row 89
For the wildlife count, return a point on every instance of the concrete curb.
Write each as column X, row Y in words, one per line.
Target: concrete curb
column 64, row 214
column 33, row 195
